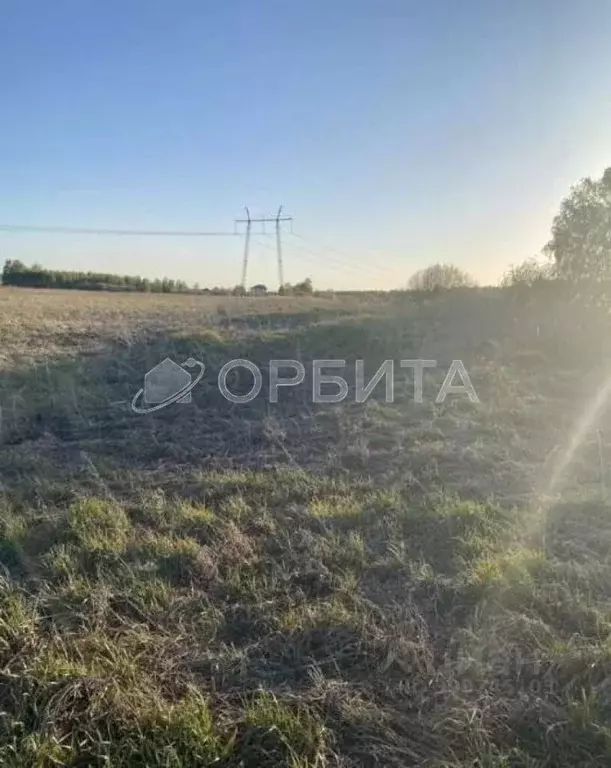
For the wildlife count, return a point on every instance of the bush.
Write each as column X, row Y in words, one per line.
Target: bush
column 442, row 276
column 528, row 273
column 305, row 288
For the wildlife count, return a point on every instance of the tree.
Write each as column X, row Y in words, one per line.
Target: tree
column 529, row 272
column 303, row 288
column 440, row 276
column 581, row 232
column 12, row 268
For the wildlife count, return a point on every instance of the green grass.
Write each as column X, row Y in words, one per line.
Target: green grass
column 355, row 585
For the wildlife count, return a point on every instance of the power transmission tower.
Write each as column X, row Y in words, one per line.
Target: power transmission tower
column 249, row 221
column 246, row 246
column 279, row 249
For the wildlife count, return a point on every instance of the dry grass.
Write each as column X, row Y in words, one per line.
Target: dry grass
column 290, row 584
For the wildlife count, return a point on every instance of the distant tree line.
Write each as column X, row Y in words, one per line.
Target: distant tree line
column 305, row 288
column 17, row 273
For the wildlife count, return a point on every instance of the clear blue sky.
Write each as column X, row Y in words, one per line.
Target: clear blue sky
column 398, row 133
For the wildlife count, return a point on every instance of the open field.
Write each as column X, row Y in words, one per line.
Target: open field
column 300, row 584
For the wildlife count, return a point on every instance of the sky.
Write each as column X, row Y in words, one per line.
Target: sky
column 397, row 133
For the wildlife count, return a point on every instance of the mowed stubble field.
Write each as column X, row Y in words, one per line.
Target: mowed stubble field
column 269, row 584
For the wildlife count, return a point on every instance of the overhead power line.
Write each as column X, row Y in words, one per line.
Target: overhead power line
column 353, row 269
column 328, row 249
column 331, row 257
column 94, row 231
column 343, row 261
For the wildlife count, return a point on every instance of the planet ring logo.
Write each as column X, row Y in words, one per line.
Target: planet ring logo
column 167, row 383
